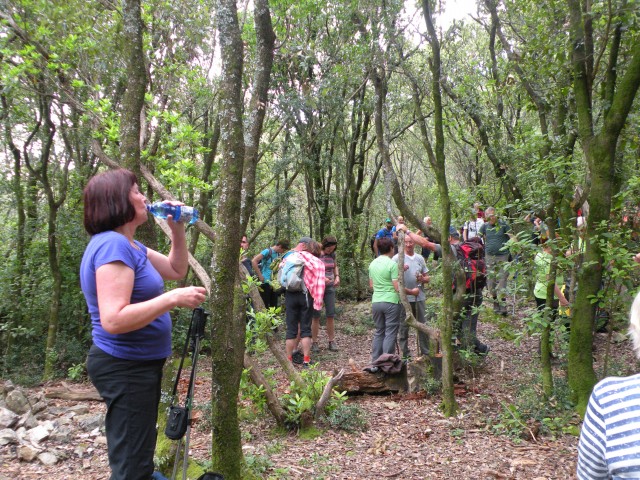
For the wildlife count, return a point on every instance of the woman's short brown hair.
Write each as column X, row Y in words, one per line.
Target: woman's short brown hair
column 106, row 201
column 329, row 240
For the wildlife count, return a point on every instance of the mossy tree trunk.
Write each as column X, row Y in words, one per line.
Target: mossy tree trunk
column 600, row 152
column 227, row 321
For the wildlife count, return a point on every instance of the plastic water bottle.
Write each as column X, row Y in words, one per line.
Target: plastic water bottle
column 180, row 213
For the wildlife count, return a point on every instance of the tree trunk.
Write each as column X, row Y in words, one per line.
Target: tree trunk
column 227, row 318
column 133, row 99
column 265, row 41
column 600, row 152
column 438, row 165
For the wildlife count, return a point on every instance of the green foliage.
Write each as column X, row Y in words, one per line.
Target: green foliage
column 256, row 465
column 348, row 417
column 529, row 412
column 253, row 393
column 322, row 464
column 302, row 399
column 356, row 325
column 76, row 372
column 432, row 386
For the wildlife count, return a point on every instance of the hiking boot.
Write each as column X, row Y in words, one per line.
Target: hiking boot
column 482, row 349
column 333, row 346
column 315, row 348
column 306, row 365
column 297, row 357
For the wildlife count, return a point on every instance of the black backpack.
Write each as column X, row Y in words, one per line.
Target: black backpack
column 470, row 254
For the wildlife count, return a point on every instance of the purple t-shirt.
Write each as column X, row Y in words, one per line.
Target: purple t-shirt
column 152, row 342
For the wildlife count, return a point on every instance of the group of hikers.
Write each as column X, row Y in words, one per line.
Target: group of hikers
column 480, row 246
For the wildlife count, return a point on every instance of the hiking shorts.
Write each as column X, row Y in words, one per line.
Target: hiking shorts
column 329, row 303
column 299, row 310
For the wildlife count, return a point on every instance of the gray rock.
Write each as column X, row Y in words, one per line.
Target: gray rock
column 28, row 420
column 8, row 436
column 17, row 402
column 62, row 434
column 79, row 409
column 27, row 453
column 5, row 388
column 38, row 434
column 47, row 458
column 39, row 406
column 90, row 421
column 7, row 418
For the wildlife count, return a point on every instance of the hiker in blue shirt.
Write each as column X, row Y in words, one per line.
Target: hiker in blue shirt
column 384, row 232
column 262, row 267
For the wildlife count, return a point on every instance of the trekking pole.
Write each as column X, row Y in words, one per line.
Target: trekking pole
column 179, row 421
column 200, row 320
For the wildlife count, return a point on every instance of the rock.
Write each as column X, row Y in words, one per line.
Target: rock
column 79, row 409
column 39, row 406
column 38, row 434
column 79, row 450
column 27, row 453
column 89, row 422
column 17, row 402
column 7, row 418
column 28, row 420
column 62, row 434
column 101, row 440
column 47, row 458
column 8, row 436
column 5, row 388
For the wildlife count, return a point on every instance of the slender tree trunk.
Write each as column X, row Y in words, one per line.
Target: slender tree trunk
column 228, row 325
column 133, row 99
column 446, row 326
column 265, row 41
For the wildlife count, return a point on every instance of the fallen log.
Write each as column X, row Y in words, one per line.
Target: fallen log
column 63, row 392
column 354, row 382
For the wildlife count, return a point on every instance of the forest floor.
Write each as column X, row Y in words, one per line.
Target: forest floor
column 407, row 436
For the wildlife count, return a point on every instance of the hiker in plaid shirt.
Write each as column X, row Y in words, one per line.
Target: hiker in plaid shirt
column 300, row 304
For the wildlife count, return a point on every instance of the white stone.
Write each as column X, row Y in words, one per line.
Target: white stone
column 47, row 458
column 38, row 434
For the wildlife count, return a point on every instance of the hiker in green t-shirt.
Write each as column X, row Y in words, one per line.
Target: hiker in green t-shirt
column 385, row 301
column 496, row 234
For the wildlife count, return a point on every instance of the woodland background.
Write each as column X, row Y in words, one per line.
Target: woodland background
column 282, row 119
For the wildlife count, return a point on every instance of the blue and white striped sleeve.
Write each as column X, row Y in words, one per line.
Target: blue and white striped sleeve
column 592, row 463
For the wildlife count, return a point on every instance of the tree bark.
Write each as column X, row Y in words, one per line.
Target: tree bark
column 227, row 318
column 133, row 99
column 265, row 42
column 600, row 152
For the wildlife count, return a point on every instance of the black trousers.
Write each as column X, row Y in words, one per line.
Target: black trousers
column 469, row 318
column 131, row 390
column 269, row 297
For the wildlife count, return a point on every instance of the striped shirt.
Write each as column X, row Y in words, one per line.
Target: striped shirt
column 610, row 439
column 329, row 261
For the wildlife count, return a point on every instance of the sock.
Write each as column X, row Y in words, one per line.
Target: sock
column 290, row 358
column 307, row 359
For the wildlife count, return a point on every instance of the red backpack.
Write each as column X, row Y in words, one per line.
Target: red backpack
column 470, row 254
